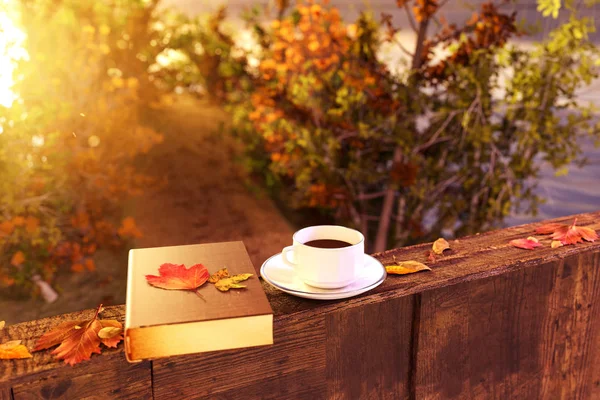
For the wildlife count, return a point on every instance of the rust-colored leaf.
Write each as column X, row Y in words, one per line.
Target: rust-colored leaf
column 177, row 276
column 13, row 350
column 232, row 282
column 431, row 256
column 547, row 228
column 406, row 267
column 440, row 245
column 568, row 234
column 18, row 258
column 574, row 234
column 78, row 340
column 32, row 224
column 528, row 244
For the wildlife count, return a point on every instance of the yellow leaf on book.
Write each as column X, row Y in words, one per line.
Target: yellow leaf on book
column 406, row 267
column 224, row 284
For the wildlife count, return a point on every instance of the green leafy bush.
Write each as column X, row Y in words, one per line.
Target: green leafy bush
column 450, row 144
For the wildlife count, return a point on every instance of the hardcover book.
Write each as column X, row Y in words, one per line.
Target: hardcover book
column 162, row 323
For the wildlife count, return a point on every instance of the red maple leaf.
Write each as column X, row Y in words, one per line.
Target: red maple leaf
column 177, row 276
column 568, row 234
column 548, row 228
column 79, row 339
column 528, row 244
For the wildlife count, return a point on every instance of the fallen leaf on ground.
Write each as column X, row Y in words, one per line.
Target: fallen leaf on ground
column 528, row 244
column 440, row 245
column 232, row 282
column 555, row 244
column 178, row 277
column 78, row 340
column 222, row 273
column 406, row 267
column 568, row 234
column 13, row 350
column 2, row 323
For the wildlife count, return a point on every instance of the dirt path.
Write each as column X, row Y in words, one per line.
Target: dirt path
column 205, row 200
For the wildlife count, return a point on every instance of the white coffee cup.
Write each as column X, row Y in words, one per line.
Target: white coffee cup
column 326, row 268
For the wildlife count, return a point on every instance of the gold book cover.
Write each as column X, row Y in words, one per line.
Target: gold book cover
column 163, row 323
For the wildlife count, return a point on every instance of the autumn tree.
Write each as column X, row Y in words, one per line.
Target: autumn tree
column 452, row 143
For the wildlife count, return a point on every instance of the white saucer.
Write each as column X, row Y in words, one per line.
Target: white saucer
column 284, row 278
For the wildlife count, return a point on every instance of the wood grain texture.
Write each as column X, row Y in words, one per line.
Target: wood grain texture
column 526, row 334
column 107, row 378
column 5, row 393
column 294, row 367
column 369, row 350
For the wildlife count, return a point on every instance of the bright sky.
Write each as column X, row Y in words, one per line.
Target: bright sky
column 11, row 40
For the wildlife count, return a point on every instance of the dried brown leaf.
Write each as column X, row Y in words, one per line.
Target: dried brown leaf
column 440, row 245
column 406, row 267
column 78, row 340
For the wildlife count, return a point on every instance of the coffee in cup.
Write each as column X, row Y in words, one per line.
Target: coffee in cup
column 326, row 256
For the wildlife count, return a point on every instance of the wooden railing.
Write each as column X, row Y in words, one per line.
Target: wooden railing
column 489, row 322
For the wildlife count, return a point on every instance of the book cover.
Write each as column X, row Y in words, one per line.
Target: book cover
column 162, row 323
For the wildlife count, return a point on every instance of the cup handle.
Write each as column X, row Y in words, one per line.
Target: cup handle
column 284, row 254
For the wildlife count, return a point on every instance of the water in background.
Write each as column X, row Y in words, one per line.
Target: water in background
column 577, row 192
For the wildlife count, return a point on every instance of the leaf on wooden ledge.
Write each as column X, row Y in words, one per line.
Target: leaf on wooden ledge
column 528, row 244
column 556, row 243
column 568, row 234
column 406, row 267
column 13, row 350
column 440, row 245
column 2, row 323
column 78, row 340
column 574, row 234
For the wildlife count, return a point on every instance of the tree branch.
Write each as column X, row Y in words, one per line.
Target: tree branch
column 411, row 20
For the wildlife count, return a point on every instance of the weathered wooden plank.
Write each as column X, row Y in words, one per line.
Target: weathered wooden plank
column 294, row 367
column 521, row 335
column 471, row 259
column 369, row 350
column 571, row 329
column 111, row 377
column 5, row 393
